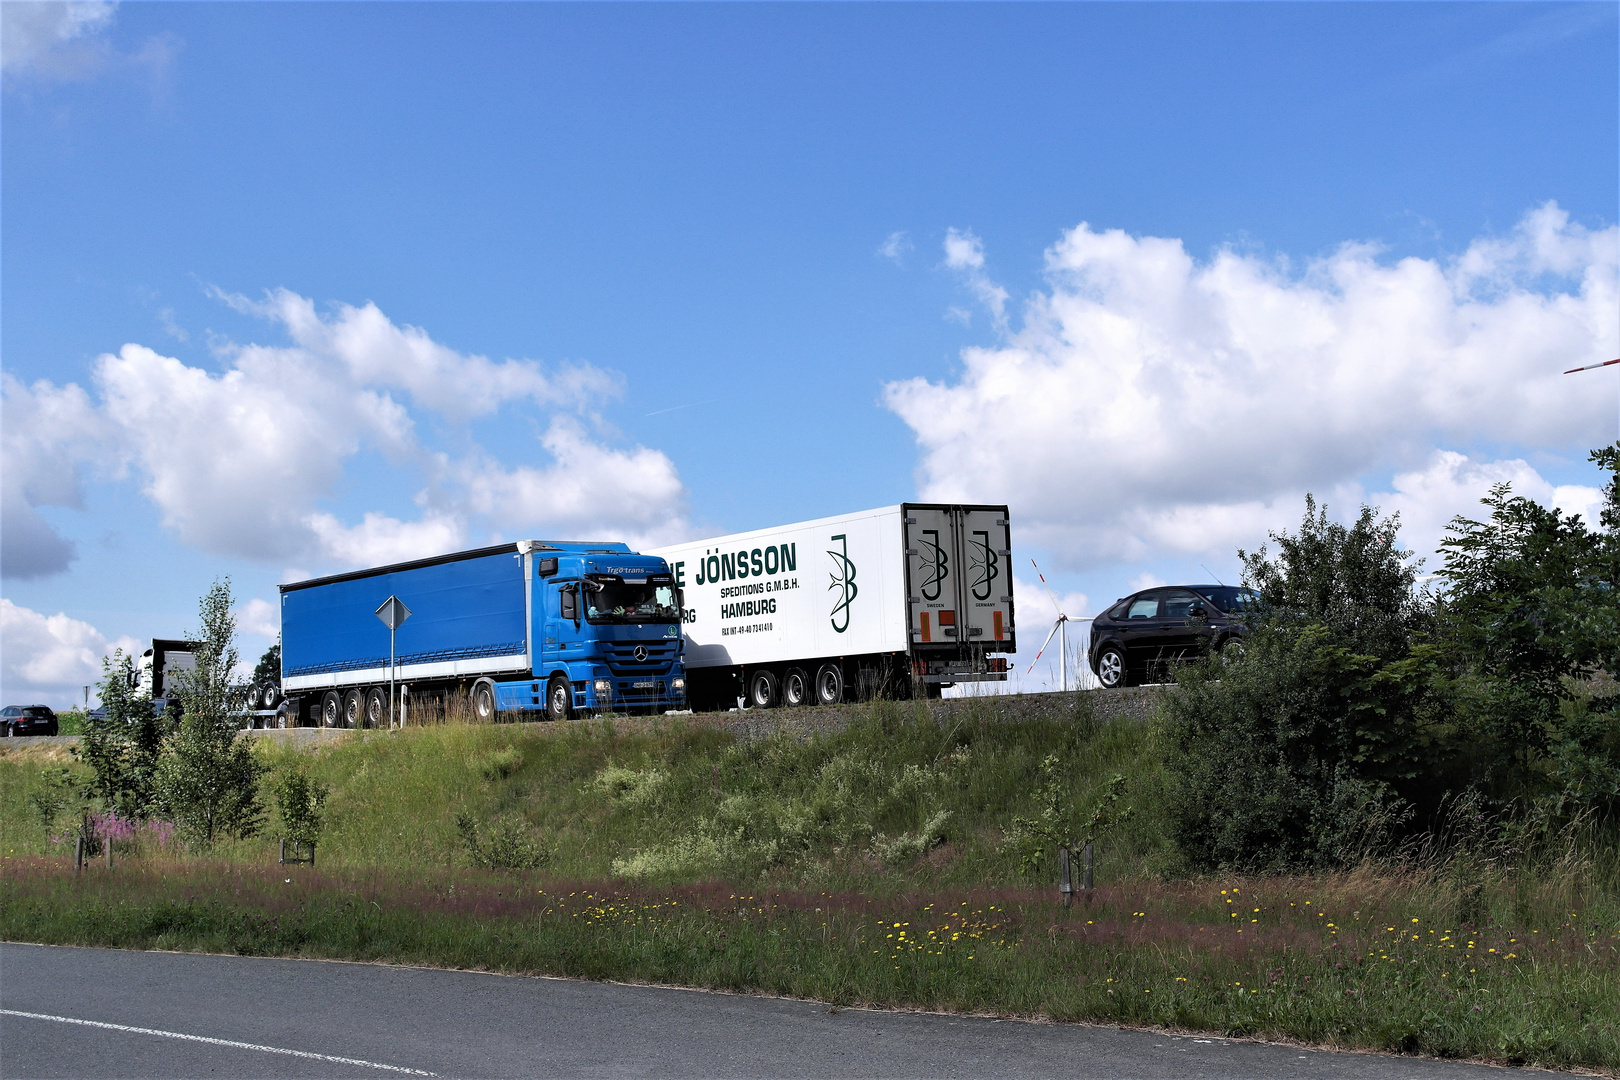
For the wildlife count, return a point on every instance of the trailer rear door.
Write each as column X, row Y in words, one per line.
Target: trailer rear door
column 959, row 576
column 986, row 545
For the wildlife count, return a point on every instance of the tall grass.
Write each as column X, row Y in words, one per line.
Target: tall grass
column 1363, row 960
column 680, row 851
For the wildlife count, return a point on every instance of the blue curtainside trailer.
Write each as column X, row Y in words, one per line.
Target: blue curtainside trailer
column 532, row 626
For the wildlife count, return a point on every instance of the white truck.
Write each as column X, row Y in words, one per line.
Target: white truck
column 899, row 601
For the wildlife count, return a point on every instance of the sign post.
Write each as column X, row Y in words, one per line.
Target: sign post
column 393, row 614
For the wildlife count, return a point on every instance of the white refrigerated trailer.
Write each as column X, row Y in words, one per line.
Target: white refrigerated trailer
column 898, row 602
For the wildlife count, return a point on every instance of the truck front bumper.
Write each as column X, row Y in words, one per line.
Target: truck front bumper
column 610, row 692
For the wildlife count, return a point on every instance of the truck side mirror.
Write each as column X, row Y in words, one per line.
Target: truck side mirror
column 570, row 603
column 548, row 567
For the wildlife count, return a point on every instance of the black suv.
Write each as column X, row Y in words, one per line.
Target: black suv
column 27, row 720
column 1138, row 637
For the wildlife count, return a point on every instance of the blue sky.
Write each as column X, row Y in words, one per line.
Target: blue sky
column 1146, row 272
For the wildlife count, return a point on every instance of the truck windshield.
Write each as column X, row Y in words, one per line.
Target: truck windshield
column 620, row 602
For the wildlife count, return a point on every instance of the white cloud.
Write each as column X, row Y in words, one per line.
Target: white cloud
column 379, row 539
column 963, row 250
column 378, row 353
column 49, row 659
column 1151, row 402
column 589, row 492
column 53, row 40
column 895, row 247
column 239, row 461
column 964, row 253
column 259, row 617
column 47, row 434
column 1450, row 484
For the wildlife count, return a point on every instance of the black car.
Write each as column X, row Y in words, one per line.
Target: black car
column 1137, row 638
column 27, row 720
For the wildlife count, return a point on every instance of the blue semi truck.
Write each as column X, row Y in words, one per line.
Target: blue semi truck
column 526, row 627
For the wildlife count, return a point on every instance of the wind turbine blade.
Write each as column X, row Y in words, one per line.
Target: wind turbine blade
column 1589, row 367
column 1045, row 643
column 1050, row 594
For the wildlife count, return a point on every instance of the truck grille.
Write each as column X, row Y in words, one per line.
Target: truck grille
column 621, row 657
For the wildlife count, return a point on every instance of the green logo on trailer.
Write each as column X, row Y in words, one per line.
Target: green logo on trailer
column 843, row 582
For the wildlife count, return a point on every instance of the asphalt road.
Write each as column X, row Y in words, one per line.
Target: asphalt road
column 106, row 1013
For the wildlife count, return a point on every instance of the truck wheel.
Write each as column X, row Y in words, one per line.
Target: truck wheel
column 762, row 689
column 271, row 697
column 1111, row 668
column 483, row 701
column 795, row 688
column 331, row 709
column 354, row 706
column 559, row 699
column 829, row 684
column 376, row 707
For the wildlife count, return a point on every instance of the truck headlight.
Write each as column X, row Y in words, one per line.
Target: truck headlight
column 677, row 684
column 604, row 688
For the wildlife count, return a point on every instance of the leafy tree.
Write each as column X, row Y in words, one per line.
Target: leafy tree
column 268, row 670
column 1352, row 580
column 1532, row 605
column 208, row 777
column 1315, row 745
column 123, row 745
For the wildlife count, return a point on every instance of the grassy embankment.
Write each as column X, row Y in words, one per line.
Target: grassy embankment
column 866, row 865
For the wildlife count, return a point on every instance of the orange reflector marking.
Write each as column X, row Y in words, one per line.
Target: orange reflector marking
column 996, row 619
column 947, row 618
column 926, row 636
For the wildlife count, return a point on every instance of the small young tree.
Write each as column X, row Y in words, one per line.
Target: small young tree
column 208, row 777
column 123, row 745
column 301, row 806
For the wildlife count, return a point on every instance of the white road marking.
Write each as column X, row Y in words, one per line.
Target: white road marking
column 215, row 1042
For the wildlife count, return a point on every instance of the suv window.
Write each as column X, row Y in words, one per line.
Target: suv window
column 1145, row 607
column 1178, row 602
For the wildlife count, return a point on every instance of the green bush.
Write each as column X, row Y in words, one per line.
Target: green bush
column 507, row 844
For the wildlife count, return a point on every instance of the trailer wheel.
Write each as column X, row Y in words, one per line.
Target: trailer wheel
column 829, row 684
column 376, row 707
column 762, row 689
column 354, row 709
column 559, row 699
column 795, row 688
column 331, row 709
column 283, row 717
column 483, row 701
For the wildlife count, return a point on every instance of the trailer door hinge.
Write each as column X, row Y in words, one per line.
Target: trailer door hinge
column 1006, row 599
column 1004, row 552
column 911, row 551
column 913, row 521
column 1001, row 521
